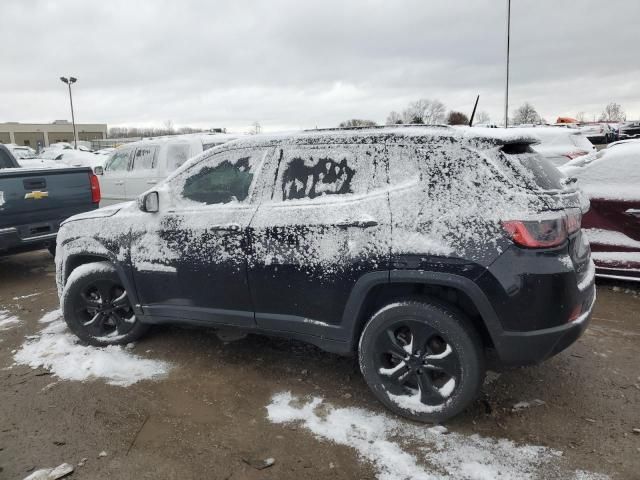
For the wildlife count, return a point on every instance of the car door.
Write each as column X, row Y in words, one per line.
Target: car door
column 144, row 170
column 326, row 224
column 189, row 260
column 112, row 182
column 613, row 222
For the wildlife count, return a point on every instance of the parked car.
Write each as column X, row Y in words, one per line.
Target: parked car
column 611, row 180
column 598, row 133
column 33, row 202
column 417, row 248
column 559, row 144
column 630, row 130
column 135, row 167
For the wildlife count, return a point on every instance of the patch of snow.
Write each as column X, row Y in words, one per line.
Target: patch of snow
column 610, row 237
column 27, row 296
column 523, row 405
column 51, row 316
column 316, row 322
column 566, row 261
column 7, row 320
column 401, row 450
column 413, row 403
column 58, row 350
column 616, row 257
column 1, row 198
column 588, row 276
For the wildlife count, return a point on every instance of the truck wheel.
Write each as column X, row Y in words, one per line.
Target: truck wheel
column 423, row 360
column 97, row 308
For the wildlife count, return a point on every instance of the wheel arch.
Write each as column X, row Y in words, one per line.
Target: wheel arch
column 378, row 289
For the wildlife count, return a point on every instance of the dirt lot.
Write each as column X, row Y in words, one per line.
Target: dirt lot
column 208, row 417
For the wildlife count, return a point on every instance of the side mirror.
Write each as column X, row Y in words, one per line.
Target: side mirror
column 98, row 170
column 149, row 202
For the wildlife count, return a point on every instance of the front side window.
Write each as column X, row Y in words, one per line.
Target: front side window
column 119, row 161
column 144, row 158
column 223, row 178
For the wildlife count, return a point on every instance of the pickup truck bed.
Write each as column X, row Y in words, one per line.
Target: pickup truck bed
column 33, row 203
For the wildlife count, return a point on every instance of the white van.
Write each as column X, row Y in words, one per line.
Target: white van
column 135, row 167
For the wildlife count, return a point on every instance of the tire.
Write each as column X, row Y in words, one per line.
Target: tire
column 422, row 359
column 97, row 309
column 52, row 249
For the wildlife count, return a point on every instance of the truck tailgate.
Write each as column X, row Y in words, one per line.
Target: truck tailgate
column 35, row 201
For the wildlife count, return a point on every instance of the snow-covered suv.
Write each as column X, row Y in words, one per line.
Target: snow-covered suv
column 418, row 248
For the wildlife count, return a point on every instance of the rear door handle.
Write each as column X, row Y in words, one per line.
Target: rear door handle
column 151, row 182
column 363, row 223
column 118, row 183
column 634, row 212
column 228, row 227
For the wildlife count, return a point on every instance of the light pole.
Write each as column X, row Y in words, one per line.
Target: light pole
column 69, row 81
column 506, row 94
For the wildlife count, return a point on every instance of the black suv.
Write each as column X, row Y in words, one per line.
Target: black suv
column 418, row 248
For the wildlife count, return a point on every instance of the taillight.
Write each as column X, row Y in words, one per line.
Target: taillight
column 95, row 188
column 544, row 232
column 536, row 233
column 576, row 154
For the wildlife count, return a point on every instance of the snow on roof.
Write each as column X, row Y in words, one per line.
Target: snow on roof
column 358, row 134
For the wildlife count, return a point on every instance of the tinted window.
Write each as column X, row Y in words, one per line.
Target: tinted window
column 531, row 169
column 145, row 158
column 177, row 154
column 309, row 172
column 5, row 160
column 119, row 161
column 225, row 181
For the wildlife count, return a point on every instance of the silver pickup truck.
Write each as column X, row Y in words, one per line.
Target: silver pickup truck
column 34, row 201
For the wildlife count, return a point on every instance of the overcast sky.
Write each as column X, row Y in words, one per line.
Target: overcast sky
column 301, row 64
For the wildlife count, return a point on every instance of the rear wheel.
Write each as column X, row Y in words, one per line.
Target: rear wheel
column 422, row 359
column 97, row 308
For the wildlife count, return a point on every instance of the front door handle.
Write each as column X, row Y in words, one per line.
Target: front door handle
column 634, row 212
column 227, row 227
column 151, row 182
column 119, row 183
column 362, row 223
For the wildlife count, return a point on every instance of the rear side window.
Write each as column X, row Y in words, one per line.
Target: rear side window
column 144, row 158
column 582, row 142
column 119, row 161
column 529, row 169
column 177, row 154
column 324, row 171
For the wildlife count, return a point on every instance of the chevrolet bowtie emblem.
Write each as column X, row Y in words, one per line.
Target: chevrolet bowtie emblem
column 36, row 195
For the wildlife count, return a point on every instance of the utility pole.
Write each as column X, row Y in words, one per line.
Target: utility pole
column 506, row 94
column 69, row 81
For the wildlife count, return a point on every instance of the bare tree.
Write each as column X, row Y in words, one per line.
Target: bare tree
column 394, row 118
column 425, row 111
column 481, row 117
column 356, row 122
column 168, row 126
column 613, row 113
column 581, row 117
column 526, row 113
column 457, row 118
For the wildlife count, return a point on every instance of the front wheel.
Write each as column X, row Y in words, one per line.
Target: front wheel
column 422, row 359
column 97, row 308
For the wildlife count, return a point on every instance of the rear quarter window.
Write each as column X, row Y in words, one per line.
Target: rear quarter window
column 529, row 169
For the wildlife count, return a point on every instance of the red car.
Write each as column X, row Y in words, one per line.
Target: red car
column 611, row 180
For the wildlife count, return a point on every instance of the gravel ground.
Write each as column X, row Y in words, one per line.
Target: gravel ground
column 207, row 419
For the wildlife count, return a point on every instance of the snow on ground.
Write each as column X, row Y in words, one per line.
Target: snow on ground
column 57, row 349
column 400, row 450
column 7, row 320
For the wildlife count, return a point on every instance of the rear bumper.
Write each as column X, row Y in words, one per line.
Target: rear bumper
column 11, row 240
column 527, row 348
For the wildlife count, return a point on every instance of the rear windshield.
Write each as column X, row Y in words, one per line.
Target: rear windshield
column 530, row 169
column 582, row 142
